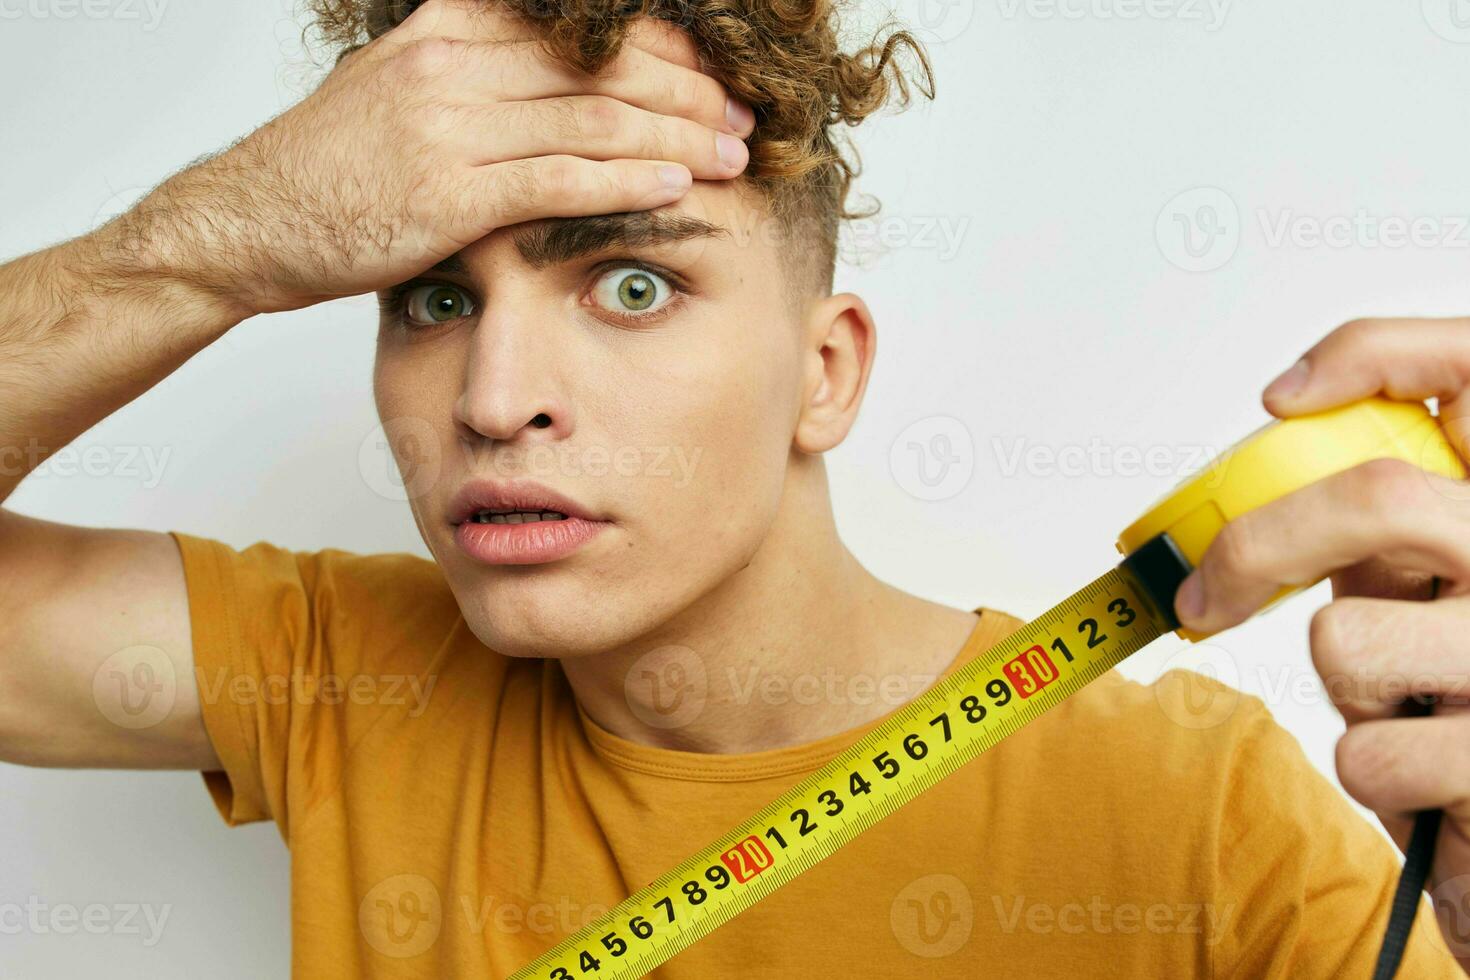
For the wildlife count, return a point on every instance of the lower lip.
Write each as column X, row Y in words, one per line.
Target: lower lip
column 525, row 544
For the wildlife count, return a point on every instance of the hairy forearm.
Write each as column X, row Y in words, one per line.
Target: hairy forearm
column 85, row 327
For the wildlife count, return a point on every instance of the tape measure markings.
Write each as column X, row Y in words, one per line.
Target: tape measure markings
column 981, row 704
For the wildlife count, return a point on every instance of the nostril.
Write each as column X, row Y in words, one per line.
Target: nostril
column 541, row 421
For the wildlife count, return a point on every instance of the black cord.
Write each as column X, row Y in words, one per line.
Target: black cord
column 1418, row 859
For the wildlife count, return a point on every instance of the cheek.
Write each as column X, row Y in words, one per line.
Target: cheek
column 415, row 400
column 722, row 417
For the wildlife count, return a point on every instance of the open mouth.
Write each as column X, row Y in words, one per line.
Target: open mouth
column 516, row 516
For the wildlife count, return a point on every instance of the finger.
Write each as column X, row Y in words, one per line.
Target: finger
column 485, row 73
column 666, row 41
column 1374, row 654
column 1375, row 577
column 1403, row 765
column 567, row 186
column 599, row 128
column 1405, row 359
column 1386, row 508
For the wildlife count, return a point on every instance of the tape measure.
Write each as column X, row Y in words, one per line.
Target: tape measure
column 996, row 694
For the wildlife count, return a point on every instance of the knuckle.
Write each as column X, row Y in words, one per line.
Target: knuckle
column 599, row 117
column 1360, row 331
column 685, row 96
column 559, row 176
column 1324, row 636
column 1362, row 761
column 1236, row 549
column 424, row 57
column 1388, row 487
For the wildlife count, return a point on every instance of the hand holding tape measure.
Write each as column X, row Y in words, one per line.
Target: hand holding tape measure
column 1013, row 683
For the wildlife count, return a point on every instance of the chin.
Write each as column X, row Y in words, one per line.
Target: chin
column 531, row 620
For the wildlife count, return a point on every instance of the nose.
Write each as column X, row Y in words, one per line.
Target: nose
column 511, row 388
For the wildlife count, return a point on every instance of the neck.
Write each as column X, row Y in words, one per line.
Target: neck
column 801, row 643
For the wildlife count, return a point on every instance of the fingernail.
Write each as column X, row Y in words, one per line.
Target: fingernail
column 674, row 177
column 733, row 152
column 740, row 116
column 1189, row 601
column 1291, row 381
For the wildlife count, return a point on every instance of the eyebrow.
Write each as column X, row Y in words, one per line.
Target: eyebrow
column 553, row 241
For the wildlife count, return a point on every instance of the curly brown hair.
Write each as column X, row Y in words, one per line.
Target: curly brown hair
column 782, row 57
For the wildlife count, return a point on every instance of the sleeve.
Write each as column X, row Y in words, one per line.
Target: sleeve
column 1305, row 881
column 294, row 653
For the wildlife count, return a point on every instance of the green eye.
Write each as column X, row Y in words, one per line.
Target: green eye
column 436, row 303
column 632, row 290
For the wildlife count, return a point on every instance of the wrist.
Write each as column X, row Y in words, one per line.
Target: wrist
column 142, row 255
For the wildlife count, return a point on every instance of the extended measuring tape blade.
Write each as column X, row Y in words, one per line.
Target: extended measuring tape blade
column 980, row 704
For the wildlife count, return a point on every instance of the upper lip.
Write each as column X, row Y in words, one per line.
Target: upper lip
column 478, row 495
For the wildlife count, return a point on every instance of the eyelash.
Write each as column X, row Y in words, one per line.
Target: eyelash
column 391, row 305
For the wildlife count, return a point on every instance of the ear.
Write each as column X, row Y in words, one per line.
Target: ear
column 840, row 342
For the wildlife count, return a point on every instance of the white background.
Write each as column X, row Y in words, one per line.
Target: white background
column 1067, row 317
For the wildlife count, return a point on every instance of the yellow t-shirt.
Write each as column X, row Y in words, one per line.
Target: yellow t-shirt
column 452, row 813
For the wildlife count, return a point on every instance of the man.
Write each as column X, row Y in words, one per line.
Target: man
column 609, row 363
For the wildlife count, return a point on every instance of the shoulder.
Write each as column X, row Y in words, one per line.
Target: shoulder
column 343, row 603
